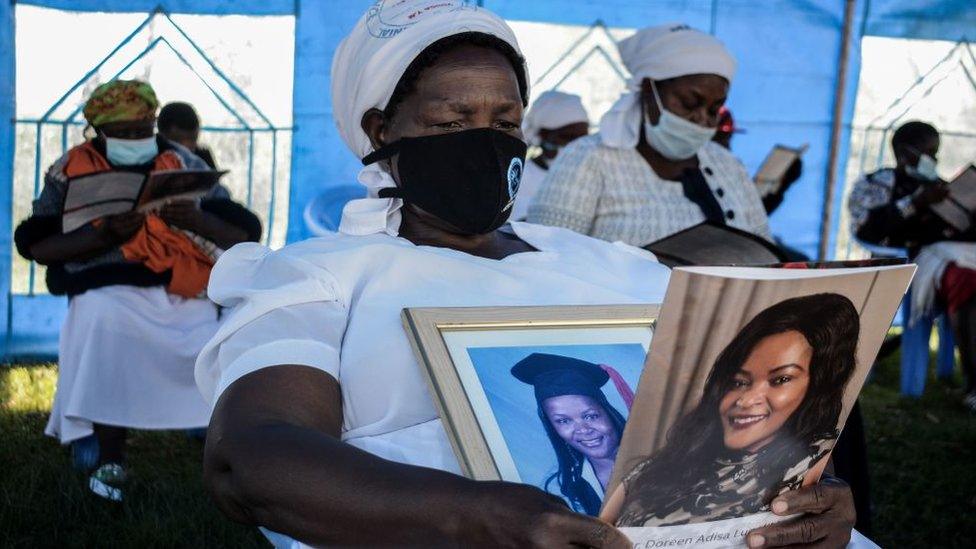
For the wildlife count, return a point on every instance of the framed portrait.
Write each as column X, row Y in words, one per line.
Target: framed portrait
column 535, row 395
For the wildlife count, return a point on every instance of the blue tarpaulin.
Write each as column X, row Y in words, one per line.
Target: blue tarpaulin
column 789, row 53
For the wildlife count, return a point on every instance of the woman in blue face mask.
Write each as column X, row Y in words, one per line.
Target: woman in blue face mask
column 893, row 208
column 130, row 336
column 652, row 170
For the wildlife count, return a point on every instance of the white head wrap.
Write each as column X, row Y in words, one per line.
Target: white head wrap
column 659, row 53
column 367, row 67
column 552, row 110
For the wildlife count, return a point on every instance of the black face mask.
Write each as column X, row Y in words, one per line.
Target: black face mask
column 468, row 179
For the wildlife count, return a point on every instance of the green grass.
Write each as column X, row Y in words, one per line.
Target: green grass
column 922, row 457
column 45, row 503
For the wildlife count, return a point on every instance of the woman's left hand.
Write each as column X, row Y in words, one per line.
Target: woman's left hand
column 184, row 214
column 827, row 520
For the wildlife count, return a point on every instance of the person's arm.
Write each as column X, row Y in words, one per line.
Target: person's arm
column 86, row 242
column 187, row 214
column 756, row 218
column 569, row 194
column 39, row 237
column 273, row 457
column 877, row 219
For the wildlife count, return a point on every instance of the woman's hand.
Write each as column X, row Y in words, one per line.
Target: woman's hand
column 120, row 228
column 184, row 214
column 515, row 515
column 828, row 517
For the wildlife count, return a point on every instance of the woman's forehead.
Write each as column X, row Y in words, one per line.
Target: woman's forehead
column 779, row 349
column 468, row 73
column 702, row 83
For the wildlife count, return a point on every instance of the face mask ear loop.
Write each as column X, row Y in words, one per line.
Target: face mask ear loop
column 382, row 153
column 657, row 101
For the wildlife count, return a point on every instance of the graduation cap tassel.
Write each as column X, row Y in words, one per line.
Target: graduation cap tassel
column 618, row 381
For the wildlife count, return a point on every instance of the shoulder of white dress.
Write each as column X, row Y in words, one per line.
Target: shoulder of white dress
column 562, row 240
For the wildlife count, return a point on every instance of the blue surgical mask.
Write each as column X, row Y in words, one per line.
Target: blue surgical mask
column 674, row 137
column 924, row 170
column 130, row 152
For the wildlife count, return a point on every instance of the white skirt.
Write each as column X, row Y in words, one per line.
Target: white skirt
column 126, row 359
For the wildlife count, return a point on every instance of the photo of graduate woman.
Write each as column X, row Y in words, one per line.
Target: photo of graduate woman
column 766, row 422
column 582, row 426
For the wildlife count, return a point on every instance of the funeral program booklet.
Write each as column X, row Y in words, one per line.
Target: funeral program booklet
column 749, row 380
column 94, row 196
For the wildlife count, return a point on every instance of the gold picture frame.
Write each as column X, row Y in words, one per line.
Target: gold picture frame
column 429, row 330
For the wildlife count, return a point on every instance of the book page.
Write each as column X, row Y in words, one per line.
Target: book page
column 167, row 186
column 958, row 208
column 94, row 196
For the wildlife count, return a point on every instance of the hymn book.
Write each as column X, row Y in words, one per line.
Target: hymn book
column 959, row 207
column 769, row 178
column 92, row 197
column 713, row 244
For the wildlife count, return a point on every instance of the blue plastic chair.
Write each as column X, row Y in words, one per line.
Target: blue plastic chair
column 915, row 349
column 915, row 339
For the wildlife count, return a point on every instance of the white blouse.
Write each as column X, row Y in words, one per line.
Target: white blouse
column 614, row 194
column 334, row 303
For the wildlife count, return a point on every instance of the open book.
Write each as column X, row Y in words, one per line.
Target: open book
column 959, row 207
column 769, row 178
column 91, row 197
column 750, row 377
column 714, row 244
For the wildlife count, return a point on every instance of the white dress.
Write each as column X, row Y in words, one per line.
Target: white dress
column 334, row 303
column 126, row 359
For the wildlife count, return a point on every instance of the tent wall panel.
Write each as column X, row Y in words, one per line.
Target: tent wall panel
column 784, row 92
column 320, row 159
column 923, row 19
column 7, row 114
column 199, row 7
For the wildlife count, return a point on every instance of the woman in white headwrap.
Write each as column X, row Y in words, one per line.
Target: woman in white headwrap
column 555, row 120
column 323, row 426
column 652, row 170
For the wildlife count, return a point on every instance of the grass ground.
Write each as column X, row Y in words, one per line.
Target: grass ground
column 922, row 454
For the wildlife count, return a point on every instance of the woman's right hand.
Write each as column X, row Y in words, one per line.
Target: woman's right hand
column 120, row 228
column 504, row 514
column 932, row 194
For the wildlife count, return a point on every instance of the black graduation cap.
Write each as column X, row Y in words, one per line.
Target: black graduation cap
column 554, row 375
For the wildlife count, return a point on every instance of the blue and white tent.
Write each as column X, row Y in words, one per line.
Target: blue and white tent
column 800, row 65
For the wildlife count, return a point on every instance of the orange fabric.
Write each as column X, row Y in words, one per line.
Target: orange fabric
column 156, row 246
column 85, row 159
column 161, row 249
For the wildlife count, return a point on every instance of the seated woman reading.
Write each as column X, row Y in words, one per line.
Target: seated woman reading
column 136, row 315
column 323, row 427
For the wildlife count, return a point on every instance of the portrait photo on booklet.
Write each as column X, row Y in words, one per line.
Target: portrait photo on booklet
column 536, row 395
column 747, row 386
